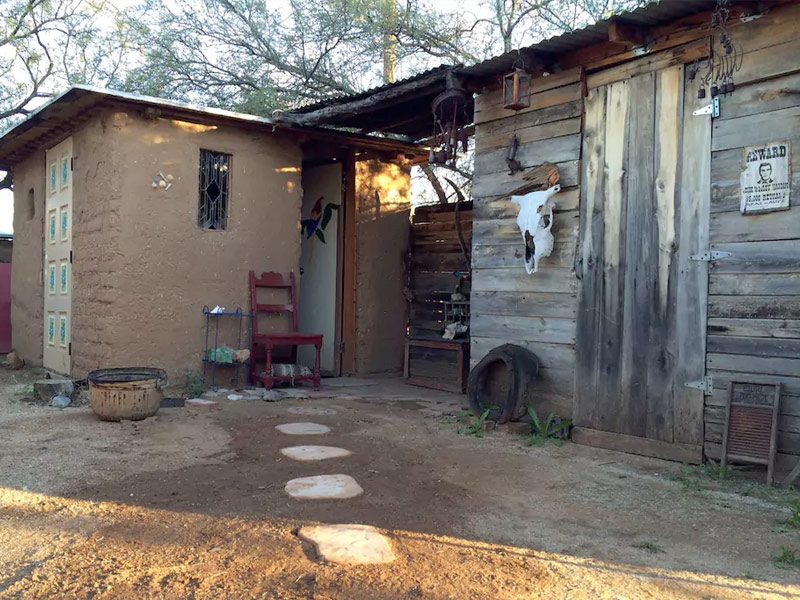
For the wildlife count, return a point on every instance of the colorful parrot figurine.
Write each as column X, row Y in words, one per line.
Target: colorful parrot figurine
column 316, row 223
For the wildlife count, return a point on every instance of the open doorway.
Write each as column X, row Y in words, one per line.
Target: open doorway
column 320, row 268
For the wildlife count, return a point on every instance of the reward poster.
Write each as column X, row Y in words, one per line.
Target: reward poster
column 766, row 177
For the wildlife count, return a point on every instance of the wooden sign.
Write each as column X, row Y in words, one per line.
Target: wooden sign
column 766, row 179
column 750, row 433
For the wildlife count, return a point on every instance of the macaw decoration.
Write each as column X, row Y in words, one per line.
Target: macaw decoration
column 316, row 223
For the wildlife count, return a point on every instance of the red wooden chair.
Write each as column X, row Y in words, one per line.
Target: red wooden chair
column 269, row 341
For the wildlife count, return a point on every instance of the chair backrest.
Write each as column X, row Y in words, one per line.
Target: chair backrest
column 273, row 280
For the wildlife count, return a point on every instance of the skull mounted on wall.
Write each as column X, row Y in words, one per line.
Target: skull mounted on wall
column 535, row 219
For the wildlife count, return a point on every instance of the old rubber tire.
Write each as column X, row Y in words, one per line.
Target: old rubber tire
column 522, row 368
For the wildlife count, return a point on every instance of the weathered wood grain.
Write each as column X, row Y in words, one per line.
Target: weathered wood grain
column 551, row 356
column 492, row 109
column 513, row 255
column 506, row 231
column 777, row 328
column 755, row 307
column 498, row 207
column 774, row 284
column 692, row 295
column 767, row 63
column 516, row 328
column 655, row 62
column 503, row 128
column 754, row 364
column 725, row 344
column 553, row 150
column 527, row 135
column 637, row 405
column 525, row 304
column 758, row 128
column 586, row 413
column 790, row 386
column 758, row 257
column 517, row 280
column 765, row 96
column 632, row 444
column 735, row 227
column 501, row 184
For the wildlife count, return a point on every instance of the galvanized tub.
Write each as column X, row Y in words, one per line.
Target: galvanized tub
column 130, row 393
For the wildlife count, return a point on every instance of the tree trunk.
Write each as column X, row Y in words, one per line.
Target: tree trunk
column 390, row 42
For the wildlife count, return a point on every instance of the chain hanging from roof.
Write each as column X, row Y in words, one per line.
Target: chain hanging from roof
column 722, row 64
column 450, row 119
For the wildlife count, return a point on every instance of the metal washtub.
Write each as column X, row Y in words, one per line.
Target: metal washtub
column 130, row 393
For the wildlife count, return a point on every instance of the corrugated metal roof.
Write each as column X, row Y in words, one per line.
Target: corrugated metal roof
column 443, row 68
column 653, row 14
column 62, row 111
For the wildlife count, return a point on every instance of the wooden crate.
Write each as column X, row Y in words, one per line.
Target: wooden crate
column 437, row 364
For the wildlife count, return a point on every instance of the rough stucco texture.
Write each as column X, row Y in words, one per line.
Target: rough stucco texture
column 382, row 213
column 27, row 288
column 168, row 267
column 142, row 268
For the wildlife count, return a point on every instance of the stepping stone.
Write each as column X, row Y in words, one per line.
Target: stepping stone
column 311, row 410
column 201, row 403
column 302, row 428
column 306, row 453
column 348, row 544
column 324, row 487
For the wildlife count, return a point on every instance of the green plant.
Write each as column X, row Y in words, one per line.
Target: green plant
column 787, row 557
column 25, row 391
column 552, row 430
column 476, row 427
column 649, row 547
column 194, row 386
column 794, row 520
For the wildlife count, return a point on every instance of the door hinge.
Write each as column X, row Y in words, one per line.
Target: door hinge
column 70, row 257
column 71, row 163
column 712, row 109
column 70, row 349
column 711, row 255
column 706, row 384
column 341, row 347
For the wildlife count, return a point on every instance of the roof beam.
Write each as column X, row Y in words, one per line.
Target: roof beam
column 373, row 102
column 626, row 34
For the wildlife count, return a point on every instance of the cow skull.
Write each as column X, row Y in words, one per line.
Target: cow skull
column 535, row 219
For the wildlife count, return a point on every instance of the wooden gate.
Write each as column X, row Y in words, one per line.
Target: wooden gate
column 642, row 300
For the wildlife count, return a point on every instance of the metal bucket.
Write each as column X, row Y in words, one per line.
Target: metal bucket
column 131, row 393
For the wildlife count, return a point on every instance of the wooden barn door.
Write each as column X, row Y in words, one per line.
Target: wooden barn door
column 642, row 301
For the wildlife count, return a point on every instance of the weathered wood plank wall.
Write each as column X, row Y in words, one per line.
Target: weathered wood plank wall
column 435, row 256
column 535, row 311
column 754, row 296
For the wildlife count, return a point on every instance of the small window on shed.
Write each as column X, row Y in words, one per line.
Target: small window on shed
column 212, row 212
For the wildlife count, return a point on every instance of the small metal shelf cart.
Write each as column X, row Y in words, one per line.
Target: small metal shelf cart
column 244, row 321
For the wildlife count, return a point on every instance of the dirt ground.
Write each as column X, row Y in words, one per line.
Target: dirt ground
column 191, row 505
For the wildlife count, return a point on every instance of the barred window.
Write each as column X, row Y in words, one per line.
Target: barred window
column 214, row 189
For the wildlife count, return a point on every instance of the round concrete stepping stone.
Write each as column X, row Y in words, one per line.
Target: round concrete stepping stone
column 324, row 487
column 306, row 453
column 302, row 428
column 311, row 410
column 348, row 544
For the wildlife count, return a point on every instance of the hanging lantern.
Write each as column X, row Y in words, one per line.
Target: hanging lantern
column 517, row 90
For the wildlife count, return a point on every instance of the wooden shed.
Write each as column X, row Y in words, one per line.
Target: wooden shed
column 667, row 280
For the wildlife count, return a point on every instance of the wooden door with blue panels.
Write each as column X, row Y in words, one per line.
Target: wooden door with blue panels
column 57, row 259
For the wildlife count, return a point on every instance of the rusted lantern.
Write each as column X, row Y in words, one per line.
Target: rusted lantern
column 517, row 90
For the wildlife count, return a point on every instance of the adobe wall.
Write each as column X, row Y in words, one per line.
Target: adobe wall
column 165, row 269
column 382, row 221
column 98, row 262
column 27, row 288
